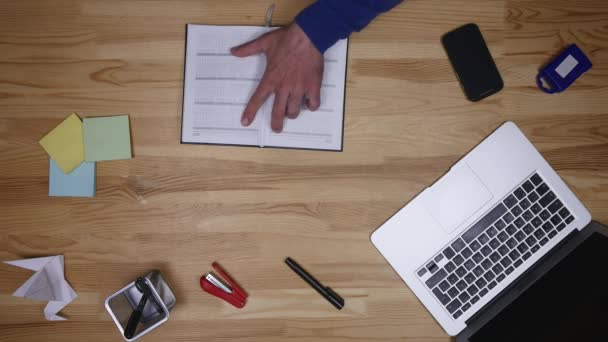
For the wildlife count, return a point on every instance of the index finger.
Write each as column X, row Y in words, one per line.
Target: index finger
column 255, row 102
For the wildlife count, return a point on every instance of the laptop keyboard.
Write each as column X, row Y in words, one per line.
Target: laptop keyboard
column 495, row 246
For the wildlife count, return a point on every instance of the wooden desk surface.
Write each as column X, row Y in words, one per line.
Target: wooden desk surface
column 180, row 207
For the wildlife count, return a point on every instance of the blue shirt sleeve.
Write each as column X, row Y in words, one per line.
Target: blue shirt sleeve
column 327, row 21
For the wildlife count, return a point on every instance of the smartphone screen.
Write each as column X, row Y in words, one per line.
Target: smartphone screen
column 472, row 62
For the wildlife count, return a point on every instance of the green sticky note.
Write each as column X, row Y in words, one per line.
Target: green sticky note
column 107, row 138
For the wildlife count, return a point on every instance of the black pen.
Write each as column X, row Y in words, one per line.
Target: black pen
column 325, row 291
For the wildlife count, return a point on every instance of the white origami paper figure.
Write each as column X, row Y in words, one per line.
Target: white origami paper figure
column 48, row 283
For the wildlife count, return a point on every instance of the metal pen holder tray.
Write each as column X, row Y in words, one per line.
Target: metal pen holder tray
column 121, row 304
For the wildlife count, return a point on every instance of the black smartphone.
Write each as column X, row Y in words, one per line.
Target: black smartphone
column 472, row 62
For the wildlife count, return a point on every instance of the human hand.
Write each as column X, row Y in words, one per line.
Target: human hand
column 294, row 71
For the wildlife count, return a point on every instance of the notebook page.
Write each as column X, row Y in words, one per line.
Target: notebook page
column 217, row 86
column 323, row 128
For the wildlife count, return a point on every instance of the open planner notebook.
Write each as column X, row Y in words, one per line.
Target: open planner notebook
column 217, row 87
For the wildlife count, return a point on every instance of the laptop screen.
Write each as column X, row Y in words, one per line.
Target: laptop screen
column 569, row 303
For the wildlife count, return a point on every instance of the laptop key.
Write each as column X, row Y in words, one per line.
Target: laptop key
column 536, row 179
column 477, row 257
column 438, row 258
column 536, row 209
column 528, row 229
column 465, row 307
column 449, row 266
column 509, row 270
column 472, row 290
column 516, row 210
column 508, row 218
column 569, row 219
column 510, row 201
column 461, row 285
column 531, row 241
column 535, row 248
column 466, row 253
column 492, row 231
column 453, row 292
column 436, row 278
column 555, row 206
column 432, row 267
column 528, row 215
column 458, row 245
column 444, row 285
column 519, row 222
column 485, row 250
column 453, row 278
column 470, row 278
column 556, row 219
column 545, row 215
column 536, row 222
column 503, row 250
column 511, row 229
column 460, row 271
column 478, row 271
column 495, row 257
column 494, row 243
column 528, row 186
column 548, row 198
column 457, row 314
column 489, row 275
column 483, row 292
column 525, row 204
column 512, row 243
column 469, row 264
column 481, row 283
column 564, row 213
column 458, row 260
column 453, row 306
column 547, row 226
column 497, row 269
column 500, row 224
column 475, row 246
column 520, row 236
column 500, row 278
column 520, row 193
column 517, row 263
column 539, row 234
column 449, row 253
column 483, row 239
column 443, row 298
column 505, row 261
column 542, row 189
column 502, row 237
column 522, row 247
column 560, row 227
column 514, row 255
column 533, row 197
column 492, row 285
column 543, row 241
column 526, row 255
column 474, row 299
column 422, row 272
column 484, row 223
column 464, row 297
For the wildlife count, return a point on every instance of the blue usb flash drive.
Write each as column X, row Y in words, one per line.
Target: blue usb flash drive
column 563, row 70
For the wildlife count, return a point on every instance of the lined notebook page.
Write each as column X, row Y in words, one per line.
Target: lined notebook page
column 217, row 87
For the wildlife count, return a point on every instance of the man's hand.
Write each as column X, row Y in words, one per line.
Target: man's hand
column 294, row 71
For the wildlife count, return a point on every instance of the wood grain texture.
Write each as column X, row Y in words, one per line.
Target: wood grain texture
column 180, row 207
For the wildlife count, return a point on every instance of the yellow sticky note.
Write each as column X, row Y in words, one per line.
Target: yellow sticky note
column 65, row 144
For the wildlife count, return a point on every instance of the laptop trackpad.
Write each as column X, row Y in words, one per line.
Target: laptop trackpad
column 456, row 197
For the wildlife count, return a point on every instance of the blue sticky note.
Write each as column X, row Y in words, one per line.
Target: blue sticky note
column 78, row 183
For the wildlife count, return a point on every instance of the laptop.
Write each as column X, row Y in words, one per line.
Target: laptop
column 472, row 245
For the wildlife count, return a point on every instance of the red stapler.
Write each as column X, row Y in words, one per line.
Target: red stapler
column 231, row 293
